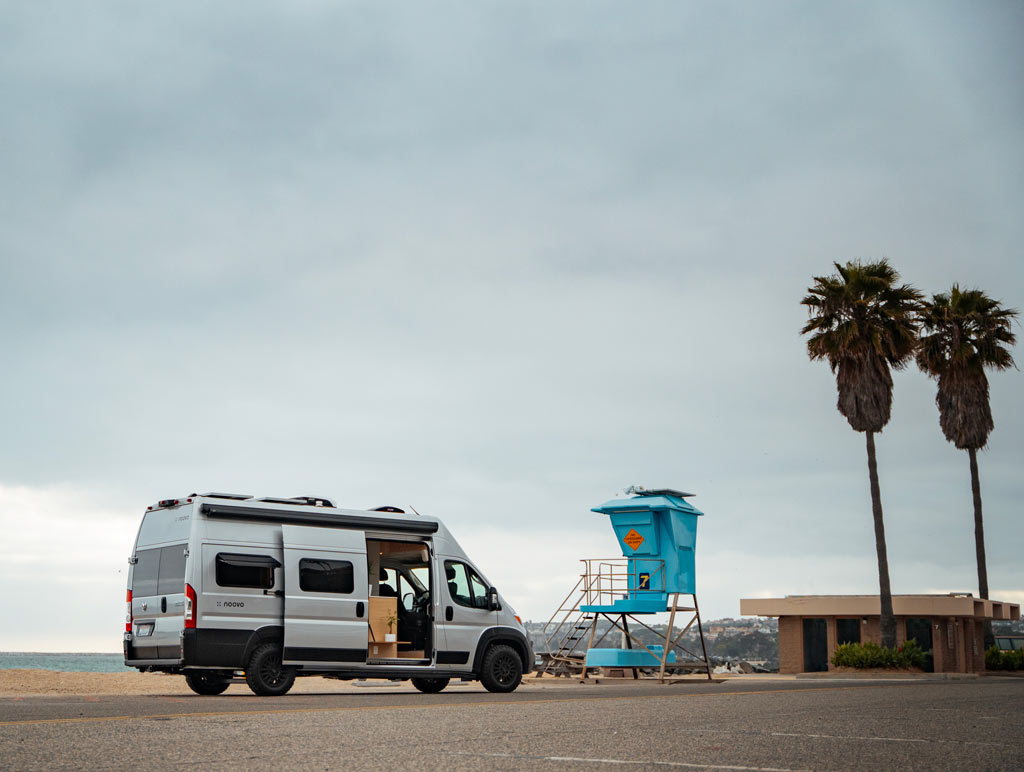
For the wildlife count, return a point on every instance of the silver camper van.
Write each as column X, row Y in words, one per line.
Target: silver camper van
column 223, row 587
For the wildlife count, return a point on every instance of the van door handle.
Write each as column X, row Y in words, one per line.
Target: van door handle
column 163, row 605
column 275, row 593
column 359, row 610
column 449, row 613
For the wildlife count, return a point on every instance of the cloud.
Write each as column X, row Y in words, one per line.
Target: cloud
column 501, row 263
column 64, row 558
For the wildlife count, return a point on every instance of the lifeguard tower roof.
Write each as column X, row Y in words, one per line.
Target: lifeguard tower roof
column 657, row 532
column 639, row 490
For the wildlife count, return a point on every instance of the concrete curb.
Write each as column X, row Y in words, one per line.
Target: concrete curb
column 887, row 676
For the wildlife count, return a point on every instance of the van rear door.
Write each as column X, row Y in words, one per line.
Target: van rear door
column 325, row 614
column 158, row 602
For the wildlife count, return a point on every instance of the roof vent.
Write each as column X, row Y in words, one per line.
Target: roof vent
column 639, row 490
column 396, row 510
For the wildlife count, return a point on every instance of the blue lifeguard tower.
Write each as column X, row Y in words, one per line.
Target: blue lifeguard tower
column 657, row 534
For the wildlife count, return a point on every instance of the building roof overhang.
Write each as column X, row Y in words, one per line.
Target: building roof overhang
column 958, row 605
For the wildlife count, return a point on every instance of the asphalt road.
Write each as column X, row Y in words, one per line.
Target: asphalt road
column 757, row 725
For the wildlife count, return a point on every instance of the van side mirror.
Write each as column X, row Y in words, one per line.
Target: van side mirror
column 492, row 599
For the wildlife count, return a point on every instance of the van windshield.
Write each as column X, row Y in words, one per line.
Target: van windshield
column 159, row 571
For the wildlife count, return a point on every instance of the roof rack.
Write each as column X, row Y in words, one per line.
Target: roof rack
column 301, row 501
column 235, row 496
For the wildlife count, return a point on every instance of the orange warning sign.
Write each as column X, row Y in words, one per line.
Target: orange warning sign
column 633, row 539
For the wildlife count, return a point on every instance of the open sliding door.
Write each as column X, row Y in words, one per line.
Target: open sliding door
column 325, row 595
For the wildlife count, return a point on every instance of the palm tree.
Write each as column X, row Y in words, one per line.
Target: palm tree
column 963, row 333
column 863, row 323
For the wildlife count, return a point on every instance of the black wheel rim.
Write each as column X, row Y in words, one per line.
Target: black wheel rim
column 270, row 671
column 505, row 670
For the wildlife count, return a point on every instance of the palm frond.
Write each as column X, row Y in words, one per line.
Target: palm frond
column 862, row 322
column 964, row 333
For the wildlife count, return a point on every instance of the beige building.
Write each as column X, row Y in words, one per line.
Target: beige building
column 948, row 627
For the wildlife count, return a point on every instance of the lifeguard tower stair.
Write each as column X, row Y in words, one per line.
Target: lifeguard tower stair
column 657, row 532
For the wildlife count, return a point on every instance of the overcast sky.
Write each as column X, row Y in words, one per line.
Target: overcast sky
column 497, row 261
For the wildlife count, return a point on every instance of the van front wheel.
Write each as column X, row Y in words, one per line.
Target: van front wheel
column 502, row 669
column 265, row 674
column 206, row 683
column 430, row 685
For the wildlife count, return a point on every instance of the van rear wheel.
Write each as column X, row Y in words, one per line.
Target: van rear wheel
column 502, row 669
column 265, row 674
column 430, row 685
column 206, row 683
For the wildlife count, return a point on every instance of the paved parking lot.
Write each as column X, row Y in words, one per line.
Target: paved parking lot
column 737, row 725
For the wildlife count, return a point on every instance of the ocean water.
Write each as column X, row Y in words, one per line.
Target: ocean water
column 65, row 662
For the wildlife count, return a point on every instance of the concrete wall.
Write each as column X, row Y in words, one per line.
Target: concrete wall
column 957, row 642
column 791, row 645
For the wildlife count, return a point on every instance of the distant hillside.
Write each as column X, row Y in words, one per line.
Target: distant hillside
column 752, row 640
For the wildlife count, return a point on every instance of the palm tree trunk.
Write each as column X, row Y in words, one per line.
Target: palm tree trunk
column 884, row 591
column 979, row 542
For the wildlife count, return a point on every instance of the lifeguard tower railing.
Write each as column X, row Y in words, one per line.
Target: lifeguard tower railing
column 617, row 579
column 616, row 585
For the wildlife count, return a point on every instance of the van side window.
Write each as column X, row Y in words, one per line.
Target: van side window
column 316, row 575
column 256, row 571
column 465, row 585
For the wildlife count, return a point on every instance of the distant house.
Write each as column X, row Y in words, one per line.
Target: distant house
column 948, row 627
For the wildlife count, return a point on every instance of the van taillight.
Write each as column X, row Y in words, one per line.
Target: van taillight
column 190, row 606
column 128, row 615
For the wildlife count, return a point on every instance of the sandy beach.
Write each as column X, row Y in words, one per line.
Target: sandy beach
column 25, row 683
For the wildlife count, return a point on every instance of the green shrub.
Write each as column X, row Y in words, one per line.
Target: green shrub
column 996, row 659
column 911, row 655
column 993, row 658
column 865, row 655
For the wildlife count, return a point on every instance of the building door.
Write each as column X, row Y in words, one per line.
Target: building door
column 920, row 630
column 815, row 646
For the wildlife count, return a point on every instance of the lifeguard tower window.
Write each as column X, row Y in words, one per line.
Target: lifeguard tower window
column 465, row 585
column 847, row 631
column 256, row 571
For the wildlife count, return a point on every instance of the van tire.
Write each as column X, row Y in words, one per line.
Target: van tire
column 207, row 684
column 265, row 674
column 502, row 670
column 430, row 685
